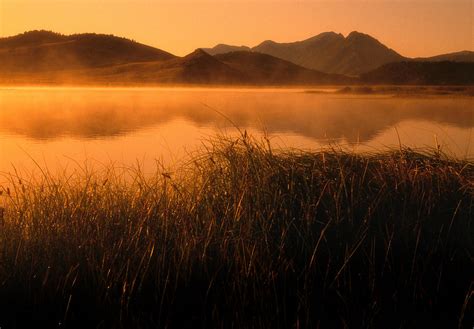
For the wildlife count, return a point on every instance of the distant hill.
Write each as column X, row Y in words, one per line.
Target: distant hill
column 31, row 38
column 461, row 56
column 199, row 67
column 222, row 49
column 422, row 73
column 40, row 51
column 46, row 57
column 241, row 68
column 333, row 53
column 263, row 68
column 42, row 57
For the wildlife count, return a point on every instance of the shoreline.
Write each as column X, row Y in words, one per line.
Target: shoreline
column 356, row 89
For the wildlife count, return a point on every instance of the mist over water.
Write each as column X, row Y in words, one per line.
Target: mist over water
column 59, row 126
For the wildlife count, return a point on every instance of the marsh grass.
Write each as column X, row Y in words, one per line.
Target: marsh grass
column 243, row 237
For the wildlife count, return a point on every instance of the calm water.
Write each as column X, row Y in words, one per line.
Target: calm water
column 60, row 128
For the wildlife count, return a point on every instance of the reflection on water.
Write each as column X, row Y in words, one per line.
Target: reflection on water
column 112, row 122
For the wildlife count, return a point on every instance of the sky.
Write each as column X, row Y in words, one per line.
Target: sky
column 411, row 27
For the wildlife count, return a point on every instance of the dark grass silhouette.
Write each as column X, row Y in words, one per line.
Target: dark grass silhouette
column 244, row 236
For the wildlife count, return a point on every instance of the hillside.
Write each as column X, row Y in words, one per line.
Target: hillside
column 333, row 53
column 42, row 51
column 197, row 67
column 422, row 73
column 222, row 49
column 42, row 57
column 262, row 68
column 460, row 56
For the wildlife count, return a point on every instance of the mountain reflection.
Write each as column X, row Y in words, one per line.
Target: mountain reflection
column 46, row 114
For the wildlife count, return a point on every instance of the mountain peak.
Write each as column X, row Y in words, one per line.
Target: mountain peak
column 268, row 42
column 333, row 53
column 198, row 56
column 199, row 52
column 359, row 35
column 325, row 35
column 222, row 48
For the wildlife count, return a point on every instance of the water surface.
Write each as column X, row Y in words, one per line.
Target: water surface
column 57, row 128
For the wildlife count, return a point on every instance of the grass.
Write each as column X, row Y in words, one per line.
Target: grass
column 243, row 237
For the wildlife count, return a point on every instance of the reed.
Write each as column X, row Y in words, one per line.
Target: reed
column 243, row 236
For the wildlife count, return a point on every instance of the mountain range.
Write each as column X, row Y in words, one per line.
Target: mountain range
column 328, row 58
column 333, row 53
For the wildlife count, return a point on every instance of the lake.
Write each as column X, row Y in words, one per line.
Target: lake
column 59, row 128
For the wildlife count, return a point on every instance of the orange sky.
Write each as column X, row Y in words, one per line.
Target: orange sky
column 411, row 27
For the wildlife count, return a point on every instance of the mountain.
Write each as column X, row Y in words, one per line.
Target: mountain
column 333, row 53
column 31, row 38
column 195, row 68
column 42, row 51
column 461, row 56
column 263, row 68
column 243, row 68
column 222, row 49
column 42, row 57
column 422, row 73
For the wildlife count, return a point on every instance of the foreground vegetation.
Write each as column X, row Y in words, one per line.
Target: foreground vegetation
column 243, row 237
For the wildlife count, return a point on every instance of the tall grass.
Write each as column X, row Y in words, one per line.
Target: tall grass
column 244, row 237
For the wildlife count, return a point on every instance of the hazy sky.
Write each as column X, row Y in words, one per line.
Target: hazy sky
column 411, row 27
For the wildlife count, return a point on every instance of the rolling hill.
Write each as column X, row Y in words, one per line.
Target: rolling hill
column 42, row 57
column 460, row 56
column 422, row 73
column 243, row 68
column 43, row 51
column 263, row 68
column 196, row 68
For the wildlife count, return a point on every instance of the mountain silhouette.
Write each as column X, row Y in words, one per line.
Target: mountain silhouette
column 333, row 53
column 263, row 68
column 46, row 57
column 231, row 68
column 31, row 38
column 223, row 48
column 422, row 73
column 43, row 57
column 197, row 67
column 200, row 67
column 460, row 56
column 40, row 51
